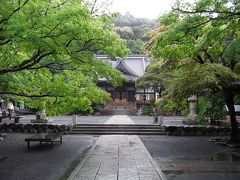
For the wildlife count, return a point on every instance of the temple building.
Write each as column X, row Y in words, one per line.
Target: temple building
column 128, row 96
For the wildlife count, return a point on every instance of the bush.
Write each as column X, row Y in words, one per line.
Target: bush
column 210, row 105
column 146, row 110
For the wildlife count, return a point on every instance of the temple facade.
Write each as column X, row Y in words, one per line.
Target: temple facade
column 128, row 96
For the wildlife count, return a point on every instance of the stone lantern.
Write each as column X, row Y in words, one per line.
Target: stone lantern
column 192, row 118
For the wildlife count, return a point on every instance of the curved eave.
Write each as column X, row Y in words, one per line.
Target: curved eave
column 123, row 67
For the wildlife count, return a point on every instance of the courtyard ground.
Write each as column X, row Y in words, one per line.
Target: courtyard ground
column 180, row 158
column 41, row 162
column 193, row 158
column 167, row 120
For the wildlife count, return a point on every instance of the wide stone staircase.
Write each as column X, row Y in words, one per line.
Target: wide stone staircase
column 129, row 129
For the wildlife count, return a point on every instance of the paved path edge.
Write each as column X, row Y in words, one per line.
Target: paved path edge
column 79, row 166
column 161, row 174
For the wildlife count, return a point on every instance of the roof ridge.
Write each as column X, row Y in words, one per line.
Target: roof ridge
column 118, row 66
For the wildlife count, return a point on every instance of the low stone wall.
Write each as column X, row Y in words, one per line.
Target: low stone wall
column 33, row 128
column 197, row 131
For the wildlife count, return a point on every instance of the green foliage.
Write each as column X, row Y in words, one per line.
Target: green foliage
column 197, row 51
column 183, row 107
column 232, row 55
column 169, row 107
column 135, row 46
column 165, row 105
column 203, row 105
column 194, row 78
column 153, row 75
column 47, row 50
column 146, row 110
column 210, row 106
column 134, row 31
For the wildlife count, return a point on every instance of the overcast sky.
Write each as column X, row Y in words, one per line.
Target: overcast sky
column 142, row 8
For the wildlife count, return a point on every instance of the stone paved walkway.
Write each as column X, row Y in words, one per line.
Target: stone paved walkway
column 118, row 157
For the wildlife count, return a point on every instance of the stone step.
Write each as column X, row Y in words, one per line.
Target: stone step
column 118, row 132
column 119, row 125
column 136, row 129
column 117, row 129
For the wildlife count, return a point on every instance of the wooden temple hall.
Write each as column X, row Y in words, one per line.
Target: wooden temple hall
column 128, row 96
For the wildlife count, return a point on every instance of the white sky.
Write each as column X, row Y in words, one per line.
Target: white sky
column 142, row 8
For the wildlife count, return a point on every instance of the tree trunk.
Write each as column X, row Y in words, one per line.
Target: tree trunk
column 234, row 124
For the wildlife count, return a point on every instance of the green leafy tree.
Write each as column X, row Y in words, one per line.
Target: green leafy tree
column 47, row 54
column 199, row 45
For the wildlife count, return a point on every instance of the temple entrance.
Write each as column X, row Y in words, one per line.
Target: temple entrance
column 120, row 98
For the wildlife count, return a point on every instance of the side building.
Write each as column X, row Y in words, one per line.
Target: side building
column 128, row 96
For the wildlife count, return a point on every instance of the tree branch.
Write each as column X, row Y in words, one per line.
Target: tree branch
column 193, row 27
column 60, row 4
column 5, row 42
column 36, row 58
column 55, row 66
column 199, row 59
column 25, row 95
column 93, row 7
column 50, row 32
column 4, row 20
column 229, row 13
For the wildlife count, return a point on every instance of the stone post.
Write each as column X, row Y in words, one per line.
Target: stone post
column 74, row 119
column 192, row 118
column 160, row 120
column 1, row 115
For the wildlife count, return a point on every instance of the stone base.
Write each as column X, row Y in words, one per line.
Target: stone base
column 47, row 120
column 189, row 122
column 191, row 119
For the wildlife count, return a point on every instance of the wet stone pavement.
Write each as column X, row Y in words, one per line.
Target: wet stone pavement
column 118, row 157
column 41, row 162
column 193, row 158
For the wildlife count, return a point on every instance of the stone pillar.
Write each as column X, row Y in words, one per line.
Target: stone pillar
column 74, row 119
column 160, row 120
column 192, row 118
column 1, row 115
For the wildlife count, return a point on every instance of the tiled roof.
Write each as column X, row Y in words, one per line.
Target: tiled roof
column 123, row 67
column 134, row 65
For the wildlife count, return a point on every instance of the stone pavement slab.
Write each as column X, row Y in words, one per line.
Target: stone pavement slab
column 118, row 157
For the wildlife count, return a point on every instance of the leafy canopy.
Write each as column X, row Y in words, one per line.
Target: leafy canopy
column 47, row 50
column 199, row 47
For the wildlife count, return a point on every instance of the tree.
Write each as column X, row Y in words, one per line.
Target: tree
column 134, row 31
column 47, row 54
column 199, row 45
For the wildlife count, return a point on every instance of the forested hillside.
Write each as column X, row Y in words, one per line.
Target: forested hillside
column 134, row 30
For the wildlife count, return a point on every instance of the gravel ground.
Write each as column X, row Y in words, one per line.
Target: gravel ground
column 40, row 162
column 167, row 120
column 193, row 158
column 63, row 119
